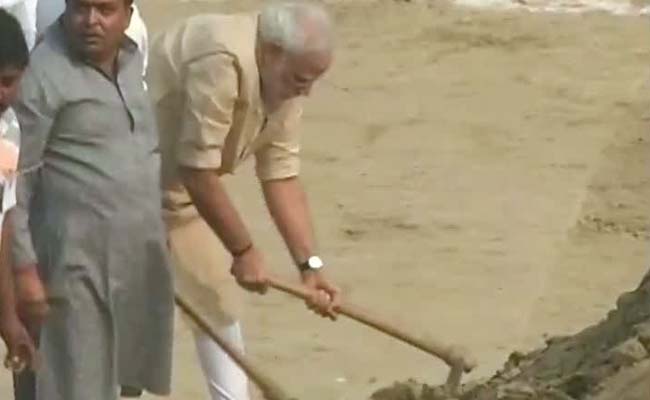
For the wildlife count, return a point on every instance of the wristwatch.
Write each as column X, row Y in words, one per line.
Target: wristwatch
column 313, row 263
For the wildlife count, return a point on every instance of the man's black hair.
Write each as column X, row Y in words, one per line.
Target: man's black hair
column 13, row 47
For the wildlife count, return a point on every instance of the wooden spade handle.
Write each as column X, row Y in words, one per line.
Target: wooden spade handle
column 269, row 388
column 453, row 356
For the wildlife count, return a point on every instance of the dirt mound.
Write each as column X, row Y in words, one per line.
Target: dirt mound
column 607, row 361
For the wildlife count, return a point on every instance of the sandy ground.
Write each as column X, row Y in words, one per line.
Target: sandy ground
column 477, row 176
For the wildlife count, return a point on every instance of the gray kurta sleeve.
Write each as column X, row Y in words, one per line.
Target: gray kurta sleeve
column 35, row 113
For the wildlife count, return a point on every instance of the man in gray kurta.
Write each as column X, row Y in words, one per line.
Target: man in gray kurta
column 88, row 221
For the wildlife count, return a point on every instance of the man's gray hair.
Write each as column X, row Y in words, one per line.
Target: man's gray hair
column 297, row 26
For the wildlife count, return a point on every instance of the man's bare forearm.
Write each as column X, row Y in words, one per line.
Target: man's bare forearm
column 213, row 203
column 7, row 295
column 288, row 205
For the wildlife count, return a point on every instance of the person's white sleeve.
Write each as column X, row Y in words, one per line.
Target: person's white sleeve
column 137, row 31
column 47, row 12
column 9, row 3
column 25, row 13
column 8, row 198
column 9, row 195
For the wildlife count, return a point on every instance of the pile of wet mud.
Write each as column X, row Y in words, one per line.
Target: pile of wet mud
column 606, row 361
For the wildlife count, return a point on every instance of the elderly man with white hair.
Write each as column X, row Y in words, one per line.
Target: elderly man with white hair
column 226, row 88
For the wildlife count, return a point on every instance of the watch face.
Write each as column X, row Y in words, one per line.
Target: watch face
column 315, row 263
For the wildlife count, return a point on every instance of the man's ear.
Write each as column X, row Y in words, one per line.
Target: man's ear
column 277, row 51
column 272, row 52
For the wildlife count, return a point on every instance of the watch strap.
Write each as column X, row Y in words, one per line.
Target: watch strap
column 304, row 266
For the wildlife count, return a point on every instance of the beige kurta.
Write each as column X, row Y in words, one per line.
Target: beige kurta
column 204, row 81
